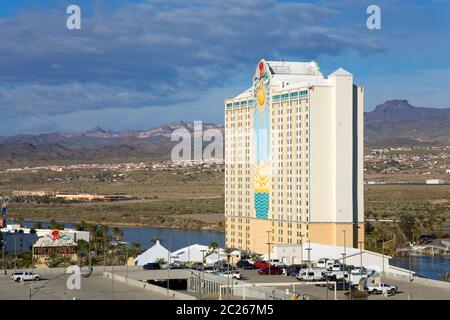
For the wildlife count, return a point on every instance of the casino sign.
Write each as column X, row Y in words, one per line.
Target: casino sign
column 54, row 243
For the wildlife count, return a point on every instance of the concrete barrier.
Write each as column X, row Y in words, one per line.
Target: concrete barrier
column 422, row 281
column 147, row 286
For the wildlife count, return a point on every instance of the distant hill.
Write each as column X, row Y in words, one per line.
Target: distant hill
column 397, row 123
column 95, row 144
column 393, row 123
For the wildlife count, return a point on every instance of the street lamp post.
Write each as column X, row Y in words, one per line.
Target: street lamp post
column 301, row 249
column 309, row 253
column 360, row 255
column 202, row 282
column 268, row 245
column 3, row 254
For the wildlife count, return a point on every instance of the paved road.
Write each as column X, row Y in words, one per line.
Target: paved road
column 95, row 287
column 407, row 290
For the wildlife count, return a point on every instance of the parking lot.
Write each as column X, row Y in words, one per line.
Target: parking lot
column 407, row 290
column 53, row 287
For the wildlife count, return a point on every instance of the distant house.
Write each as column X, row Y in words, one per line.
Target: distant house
column 435, row 181
column 152, row 254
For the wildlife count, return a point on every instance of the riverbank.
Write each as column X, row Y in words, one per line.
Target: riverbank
column 172, row 238
column 185, row 225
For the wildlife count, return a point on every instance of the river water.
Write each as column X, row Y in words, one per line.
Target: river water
column 425, row 266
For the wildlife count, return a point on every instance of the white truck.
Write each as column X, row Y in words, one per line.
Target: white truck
column 384, row 288
column 25, row 276
column 311, row 275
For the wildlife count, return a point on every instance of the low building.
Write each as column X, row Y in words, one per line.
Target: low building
column 296, row 254
column 435, row 181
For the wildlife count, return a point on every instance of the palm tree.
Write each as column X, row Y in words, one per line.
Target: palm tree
column 117, row 233
column 37, row 225
column 446, row 277
column 83, row 226
column 82, row 250
column 160, row 261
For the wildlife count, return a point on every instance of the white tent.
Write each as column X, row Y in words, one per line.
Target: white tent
column 192, row 253
column 235, row 256
column 152, row 254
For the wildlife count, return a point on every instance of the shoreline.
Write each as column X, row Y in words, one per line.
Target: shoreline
column 125, row 225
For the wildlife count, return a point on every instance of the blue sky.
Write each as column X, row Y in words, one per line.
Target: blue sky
column 138, row 64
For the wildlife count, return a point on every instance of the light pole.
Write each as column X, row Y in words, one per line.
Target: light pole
column 411, row 245
column 3, row 253
column 345, row 243
column 309, row 253
column 360, row 255
column 203, row 269
column 301, row 249
column 268, row 247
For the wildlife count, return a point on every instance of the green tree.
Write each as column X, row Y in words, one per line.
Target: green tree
column 82, row 251
column 161, row 261
column 37, row 225
column 56, row 225
column 117, row 234
column 83, row 226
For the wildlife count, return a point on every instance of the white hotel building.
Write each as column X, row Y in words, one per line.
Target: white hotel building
column 294, row 159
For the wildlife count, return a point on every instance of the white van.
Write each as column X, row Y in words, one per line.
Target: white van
column 322, row 263
column 311, row 275
column 275, row 262
column 330, row 263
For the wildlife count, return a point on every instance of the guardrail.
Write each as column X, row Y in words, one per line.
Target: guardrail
column 136, row 283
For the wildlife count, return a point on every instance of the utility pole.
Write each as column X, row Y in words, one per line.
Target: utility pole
column 126, row 264
column 169, row 254
column 360, row 261
column 3, row 253
column 268, row 245
column 203, row 269
column 301, row 249
column 309, row 253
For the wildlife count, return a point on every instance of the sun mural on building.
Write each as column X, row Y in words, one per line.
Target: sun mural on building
column 261, row 131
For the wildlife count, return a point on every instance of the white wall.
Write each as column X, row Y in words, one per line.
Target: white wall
column 343, row 107
column 321, row 156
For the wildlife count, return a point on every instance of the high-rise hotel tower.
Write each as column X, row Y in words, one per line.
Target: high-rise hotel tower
column 294, row 158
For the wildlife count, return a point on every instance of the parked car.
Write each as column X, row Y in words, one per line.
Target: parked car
column 275, row 262
column 270, row 271
column 176, row 265
column 25, row 276
column 322, row 263
column 261, row 264
column 359, row 270
column 341, row 285
column 233, row 274
column 336, row 275
column 311, row 275
column 294, row 269
column 381, row 288
column 152, row 266
column 244, row 264
column 332, row 262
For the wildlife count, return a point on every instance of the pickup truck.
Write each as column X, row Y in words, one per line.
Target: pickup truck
column 381, row 288
column 25, row 276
